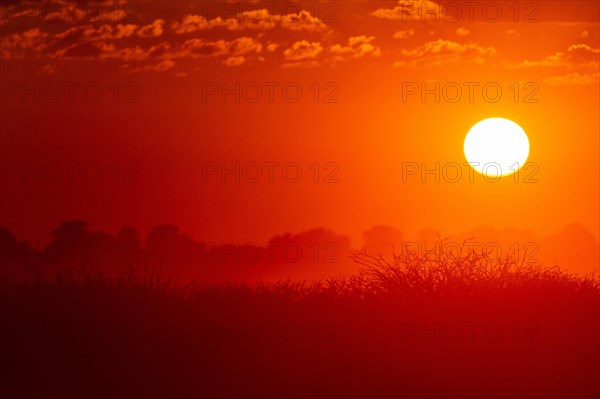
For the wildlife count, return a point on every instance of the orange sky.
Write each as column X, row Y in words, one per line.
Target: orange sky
column 158, row 70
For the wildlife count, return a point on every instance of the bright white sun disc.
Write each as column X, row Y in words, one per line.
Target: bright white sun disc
column 496, row 147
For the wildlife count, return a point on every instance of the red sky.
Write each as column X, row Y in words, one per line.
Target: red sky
column 138, row 155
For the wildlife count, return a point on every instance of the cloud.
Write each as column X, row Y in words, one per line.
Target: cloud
column 103, row 50
column 463, row 32
column 235, row 60
column 357, row 47
column 202, row 48
column 574, row 79
column 302, row 54
column 303, row 50
column 47, row 69
column 512, row 34
column 97, row 39
column 155, row 29
column 83, row 41
column 407, row 10
column 576, row 49
column 235, row 51
column 551, row 60
column 302, row 64
column 442, row 46
column 91, row 33
column 303, row 21
column 68, row 11
column 442, row 51
column 404, row 34
column 162, row 66
column 253, row 19
column 576, row 56
column 87, row 50
column 18, row 45
column 191, row 24
column 245, row 45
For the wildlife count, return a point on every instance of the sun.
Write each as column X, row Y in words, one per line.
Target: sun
column 496, row 147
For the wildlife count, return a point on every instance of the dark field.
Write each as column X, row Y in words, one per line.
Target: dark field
column 459, row 327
